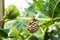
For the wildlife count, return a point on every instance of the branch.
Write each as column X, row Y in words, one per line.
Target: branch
column 27, row 18
column 57, row 18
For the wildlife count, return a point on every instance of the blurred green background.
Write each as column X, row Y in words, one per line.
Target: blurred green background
column 17, row 17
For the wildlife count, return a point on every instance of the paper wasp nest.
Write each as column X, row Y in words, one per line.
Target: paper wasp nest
column 33, row 27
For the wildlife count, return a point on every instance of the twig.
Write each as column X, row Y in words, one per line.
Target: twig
column 27, row 18
column 29, row 37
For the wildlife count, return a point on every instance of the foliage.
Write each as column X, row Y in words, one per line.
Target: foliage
column 3, row 33
column 49, row 25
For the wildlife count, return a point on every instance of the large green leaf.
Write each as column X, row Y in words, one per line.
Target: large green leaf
column 50, row 8
column 54, row 8
column 41, row 6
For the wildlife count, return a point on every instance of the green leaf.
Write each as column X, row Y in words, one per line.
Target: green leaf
column 39, row 5
column 53, row 32
column 30, row 11
column 33, row 38
column 3, row 33
column 53, row 8
column 47, row 24
column 6, row 30
column 57, row 11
